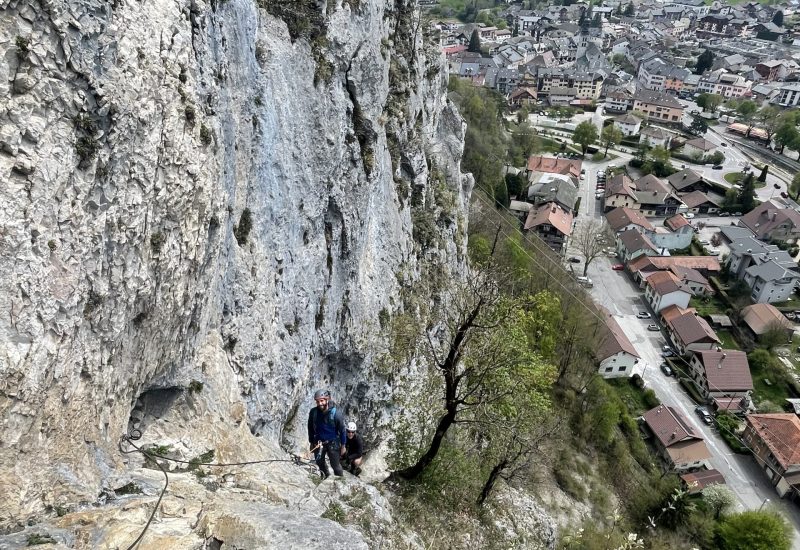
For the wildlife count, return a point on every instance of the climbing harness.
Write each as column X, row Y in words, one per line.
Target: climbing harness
column 135, row 434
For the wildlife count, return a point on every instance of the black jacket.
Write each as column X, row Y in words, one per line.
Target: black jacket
column 326, row 428
column 355, row 447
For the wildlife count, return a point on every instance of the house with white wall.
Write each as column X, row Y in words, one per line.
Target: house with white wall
column 616, row 353
column 689, row 332
column 663, row 289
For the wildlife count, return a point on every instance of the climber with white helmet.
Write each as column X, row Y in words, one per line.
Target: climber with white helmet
column 326, row 433
column 355, row 449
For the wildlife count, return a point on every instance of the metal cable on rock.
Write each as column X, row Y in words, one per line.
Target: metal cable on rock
column 136, row 434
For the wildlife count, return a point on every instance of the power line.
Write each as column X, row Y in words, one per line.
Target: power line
column 594, row 313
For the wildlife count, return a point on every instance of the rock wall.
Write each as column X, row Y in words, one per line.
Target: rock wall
column 192, row 186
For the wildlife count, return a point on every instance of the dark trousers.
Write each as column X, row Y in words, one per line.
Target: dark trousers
column 332, row 449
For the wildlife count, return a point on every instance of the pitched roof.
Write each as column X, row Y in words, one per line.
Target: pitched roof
column 538, row 163
column 771, row 270
column 688, row 274
column 763, row 219
column 674, row 311
column 696, row 198
column 763, row 317
column 623, row 216
column 734, row 233
column 697, row 481
column 654, row 132
column 550, row 213
column 684, row 178
column 701, row 143
column 726, row 370
column 676, row 222
column 692, row 329
column 634, row 240
column 781, row 433
column 652, row 263
column 656, row 98
column 614, row 340
column 664, row 282
column 681, row 440
column 620, row 184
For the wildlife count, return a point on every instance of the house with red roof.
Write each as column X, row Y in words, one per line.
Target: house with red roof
column 615, row 351
column 678, row 441
column 620, row 191
column 721, row 374
column 550, row 165
column 663, row 289
column 623, row 218
column 552, row 223
column 775, row 442
column 689, row 332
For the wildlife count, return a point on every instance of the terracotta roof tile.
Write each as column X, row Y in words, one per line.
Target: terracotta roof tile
column 726, row 370
column 781, row 433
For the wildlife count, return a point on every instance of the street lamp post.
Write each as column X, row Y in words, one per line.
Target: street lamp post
column 762, row 504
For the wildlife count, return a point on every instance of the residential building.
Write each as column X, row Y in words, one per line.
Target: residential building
column 655, row 136
column 698, row 202
column 723, row 83
column 586, row 85
column 644, row 266
column 552, row 223
column 658, row 106
column 771, row 273
column 622, row 219
column 698, row 147
column 631, row 244
column 775, row 442
column 699, row 7
column 663, row 289
column 619, row 102
column 721, row 374
column 629, row 125
column 677, row 440
column 719, row 26
column 615, row 352
column 695, row 482
column 770, row 222
column 550, row 165
column 772, row 70
column 555, row 188
column 788, row 94
column 689, row 332
column 523, row 97
column 697, row 284
column 619, row 193
column 658, row 75
column 761, row 319
column 655, row 198
column 674, row 234
column 687, row 180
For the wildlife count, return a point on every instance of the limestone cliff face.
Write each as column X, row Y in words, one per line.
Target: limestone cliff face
column 208, row 210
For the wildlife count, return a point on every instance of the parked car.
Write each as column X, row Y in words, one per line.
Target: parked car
column 667, row 347
column 776, row 185
column 784, row 194
column 668, row 353
column 642, row 315
column 688, row 215
column 665, row 369
column 737, row 214
column 704, row 415
column 724, row 214
column 617, row 267
column 724, row 144
column 585, row 281
column 704, row 242
column 574, row 260
column 653, row 328
column 717, row 167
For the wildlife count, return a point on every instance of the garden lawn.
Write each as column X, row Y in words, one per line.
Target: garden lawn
column 708, row 307
column 728, row 342
column 775, row 392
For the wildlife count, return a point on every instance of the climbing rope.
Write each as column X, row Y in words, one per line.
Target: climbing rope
column 136, row 434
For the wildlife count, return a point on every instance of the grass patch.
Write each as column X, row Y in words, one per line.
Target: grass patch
column 769, row 391
column 727, row 339
column 36, row 539
column 690, row 387
column 637, row 401
column 733, row 177
column 335, row 513
column 791, row 304
column 709, row 305
column 729, row 426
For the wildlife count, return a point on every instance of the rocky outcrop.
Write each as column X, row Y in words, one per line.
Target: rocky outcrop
column 199, row 188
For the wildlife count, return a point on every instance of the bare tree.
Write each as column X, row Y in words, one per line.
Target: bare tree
column 589, row 237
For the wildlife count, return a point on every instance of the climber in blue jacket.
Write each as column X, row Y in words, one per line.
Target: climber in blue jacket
column 326, row 429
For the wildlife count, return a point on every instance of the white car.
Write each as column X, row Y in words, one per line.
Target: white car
column 642, row 315
column 688, row 215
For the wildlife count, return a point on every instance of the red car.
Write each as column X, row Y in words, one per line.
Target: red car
column 617, row 267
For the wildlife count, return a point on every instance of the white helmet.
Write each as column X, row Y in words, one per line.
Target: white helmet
column 351, row 427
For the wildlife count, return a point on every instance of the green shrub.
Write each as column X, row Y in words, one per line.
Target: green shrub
column 650, row 399
column 190, row 114
column 36, row 539
column 157, row 240
column 23, row 44
column 86, row 148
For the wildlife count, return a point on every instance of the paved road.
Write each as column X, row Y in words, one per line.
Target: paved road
column 616, row 292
